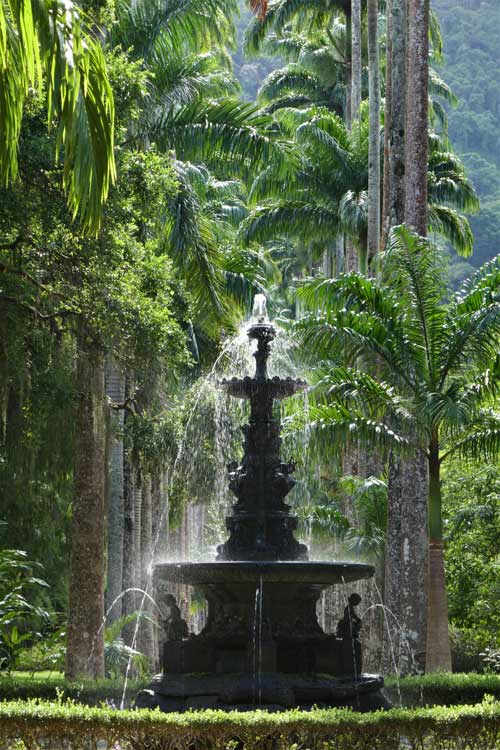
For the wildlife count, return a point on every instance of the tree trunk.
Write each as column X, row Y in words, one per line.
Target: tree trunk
column 130, row 571
column 438, row 657
column 146, row 634
column 115, row 390
column 348, row 67
column 374, row 143
column 416, row 157
column 395, row 123
column 387, row 121
column 406, row 561
column 355, row 58
column 85, row 649
column 417, row 106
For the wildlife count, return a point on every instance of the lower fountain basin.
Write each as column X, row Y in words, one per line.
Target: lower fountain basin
column 298, row 572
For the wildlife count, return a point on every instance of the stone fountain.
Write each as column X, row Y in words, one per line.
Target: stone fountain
column 262, row 643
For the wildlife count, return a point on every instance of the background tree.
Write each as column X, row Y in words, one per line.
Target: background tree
column 433, row 383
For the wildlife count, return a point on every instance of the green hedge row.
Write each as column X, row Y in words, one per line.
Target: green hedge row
column 443, row 689
column 50, row 686
column 40, row 725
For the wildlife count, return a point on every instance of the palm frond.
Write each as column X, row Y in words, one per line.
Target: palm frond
column 343, row 428
column 50, row 43
column 473, row 322
column 303, row 219
column 438, row 87
column 230, row 135
column 481, row 441
column 453, row 226
column 292, row 78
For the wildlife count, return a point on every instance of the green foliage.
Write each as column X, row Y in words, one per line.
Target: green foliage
column 478, row 725
column 69, row 65
column 326, row 196
column 472, row 534
column 20, row 618
column 51, row 686
column 444, row 689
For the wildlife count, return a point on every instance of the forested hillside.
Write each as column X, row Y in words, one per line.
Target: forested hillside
column 472, row 59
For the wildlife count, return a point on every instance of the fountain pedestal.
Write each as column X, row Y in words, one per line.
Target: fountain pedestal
column 262, row 643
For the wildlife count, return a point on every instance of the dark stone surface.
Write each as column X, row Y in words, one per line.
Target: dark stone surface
column 272, row 691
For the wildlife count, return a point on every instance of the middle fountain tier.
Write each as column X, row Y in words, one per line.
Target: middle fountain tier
column 262, row 592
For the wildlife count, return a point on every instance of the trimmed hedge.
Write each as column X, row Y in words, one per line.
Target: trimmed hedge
column 39, row 725
column 443, row 689
column 50, row 686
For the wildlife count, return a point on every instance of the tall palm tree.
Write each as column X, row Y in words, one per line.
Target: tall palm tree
column 314, row 72
column 45, row 46
column 434, row 378
column 327, row 195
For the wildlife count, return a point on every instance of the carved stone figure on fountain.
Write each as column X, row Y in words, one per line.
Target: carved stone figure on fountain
column 350, row 625
column 174, row 626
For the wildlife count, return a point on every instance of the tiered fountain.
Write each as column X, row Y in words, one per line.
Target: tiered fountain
column 262, row 643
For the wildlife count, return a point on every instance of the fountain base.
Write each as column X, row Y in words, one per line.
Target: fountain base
column 272, row 691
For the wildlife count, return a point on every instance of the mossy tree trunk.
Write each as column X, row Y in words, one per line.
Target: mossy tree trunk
column 85, row 647
column 115, row 390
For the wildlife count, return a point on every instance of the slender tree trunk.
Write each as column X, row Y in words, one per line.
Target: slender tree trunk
column 417, row 112
column 395, row 187
column 130, row 571
column 85, row 649
column 348, row 64
column 438, row 638
column 356, row 63
column 146, row 639
column 115, row 390
column 387, row 121
column 374, row 143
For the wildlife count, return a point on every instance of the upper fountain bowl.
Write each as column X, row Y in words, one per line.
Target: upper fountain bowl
column 276, row 388
column 293, row 571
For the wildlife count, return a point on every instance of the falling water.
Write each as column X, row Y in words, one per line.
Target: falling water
column 261, row 599
column 255, row 645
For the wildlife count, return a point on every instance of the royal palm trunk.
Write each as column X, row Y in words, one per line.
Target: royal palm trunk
column 356, row 58
column 374, row 143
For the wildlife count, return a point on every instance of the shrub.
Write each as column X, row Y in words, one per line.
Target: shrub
column 443, row 689
column 51, row 685
column 39, row 725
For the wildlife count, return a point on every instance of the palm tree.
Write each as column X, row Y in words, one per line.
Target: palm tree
column 434, row 378
column 314, row 73
column 45, row 46
column 327, row 195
